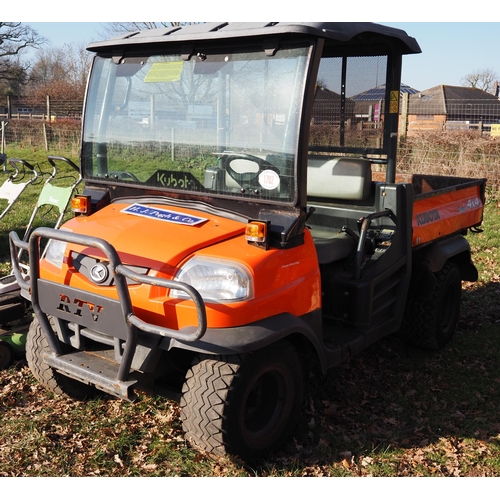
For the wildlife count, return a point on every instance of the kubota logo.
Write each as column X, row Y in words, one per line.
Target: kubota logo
column 76, row 307
column 99, row 273
column 428, row 217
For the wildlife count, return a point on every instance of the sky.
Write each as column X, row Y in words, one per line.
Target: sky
column 452, row 45
column 450, row 51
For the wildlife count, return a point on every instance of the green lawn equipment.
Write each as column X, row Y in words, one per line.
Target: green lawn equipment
column 15, row 311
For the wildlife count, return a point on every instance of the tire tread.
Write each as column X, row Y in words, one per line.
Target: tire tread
column 419, row 326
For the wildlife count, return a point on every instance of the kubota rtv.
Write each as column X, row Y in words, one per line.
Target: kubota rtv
column 241, row 208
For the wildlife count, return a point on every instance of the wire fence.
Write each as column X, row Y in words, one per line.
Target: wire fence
column 60, row 135
column 35, row 108
column 452, row 153
column 461, row 153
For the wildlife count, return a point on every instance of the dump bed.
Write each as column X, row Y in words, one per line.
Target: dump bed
column 444, row 205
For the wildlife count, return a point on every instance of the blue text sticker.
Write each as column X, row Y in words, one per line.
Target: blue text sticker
column 161, row 214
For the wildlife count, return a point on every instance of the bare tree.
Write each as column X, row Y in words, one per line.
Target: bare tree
column 482, row 79
column 68, row 65
column 47, row 66
column 15, row 39
column 60, row 73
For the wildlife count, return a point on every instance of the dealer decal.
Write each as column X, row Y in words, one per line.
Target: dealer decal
column 161, row 214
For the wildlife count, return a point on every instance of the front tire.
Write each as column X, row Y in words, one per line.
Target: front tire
column 36, row 346
column 243, row 405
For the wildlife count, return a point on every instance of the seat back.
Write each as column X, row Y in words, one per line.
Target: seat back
column 340, row 178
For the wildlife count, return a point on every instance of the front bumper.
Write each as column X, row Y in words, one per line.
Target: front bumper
column 111, row 317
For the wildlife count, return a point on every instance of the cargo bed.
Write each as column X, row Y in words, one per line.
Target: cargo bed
column 444, row 205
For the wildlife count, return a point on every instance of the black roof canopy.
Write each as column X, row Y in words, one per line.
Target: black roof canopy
column 358, row 34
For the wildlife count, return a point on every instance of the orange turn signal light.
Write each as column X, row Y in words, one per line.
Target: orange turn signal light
column 81, row 204
column 256, row 233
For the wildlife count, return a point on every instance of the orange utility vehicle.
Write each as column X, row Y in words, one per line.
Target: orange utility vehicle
column 234, row 218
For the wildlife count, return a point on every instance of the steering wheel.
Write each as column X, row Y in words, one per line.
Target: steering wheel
column 247, row 179
column 123, row 176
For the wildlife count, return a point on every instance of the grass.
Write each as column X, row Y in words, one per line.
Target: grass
column 18, row 216
column 391, row 411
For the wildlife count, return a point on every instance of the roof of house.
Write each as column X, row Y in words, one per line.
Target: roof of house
column 327, row 101
column 324, row 93
column 378, row 93
column 447, row 99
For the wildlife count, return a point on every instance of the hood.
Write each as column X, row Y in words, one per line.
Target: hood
column 154, row 235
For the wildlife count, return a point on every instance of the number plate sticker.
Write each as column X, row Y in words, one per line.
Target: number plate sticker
column 161, row 214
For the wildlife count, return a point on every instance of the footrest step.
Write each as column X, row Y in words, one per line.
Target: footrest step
column 92, row 369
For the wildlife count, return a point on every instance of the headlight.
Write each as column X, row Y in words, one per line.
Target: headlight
column 215, row 280
column 54, row 252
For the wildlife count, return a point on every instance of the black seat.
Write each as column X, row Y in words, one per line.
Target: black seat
column 333, row 249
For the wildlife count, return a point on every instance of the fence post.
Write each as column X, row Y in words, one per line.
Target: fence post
column 403, row 124
column 3, row 137
column 9, row 108
column 48, row 108
column 3, row 157
column 172, row 149
column 45, row 137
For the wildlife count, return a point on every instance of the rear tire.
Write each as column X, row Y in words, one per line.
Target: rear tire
column 36, row 346
column 243, row 405
column 431, row 324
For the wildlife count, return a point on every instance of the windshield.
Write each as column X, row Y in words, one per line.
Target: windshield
column 221, row 124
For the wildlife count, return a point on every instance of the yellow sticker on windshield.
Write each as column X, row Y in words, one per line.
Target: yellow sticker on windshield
column 168, row 71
